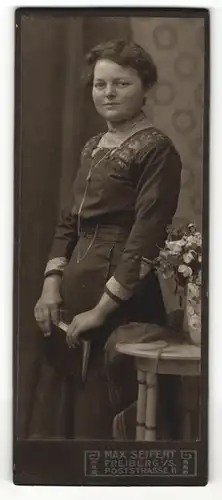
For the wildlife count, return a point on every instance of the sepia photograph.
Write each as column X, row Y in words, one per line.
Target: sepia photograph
column 111, row 245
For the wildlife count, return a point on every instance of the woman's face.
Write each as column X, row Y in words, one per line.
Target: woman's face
column 118, row 92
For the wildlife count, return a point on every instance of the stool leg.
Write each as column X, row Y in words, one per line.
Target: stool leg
column 151, row 403
column 141, row 406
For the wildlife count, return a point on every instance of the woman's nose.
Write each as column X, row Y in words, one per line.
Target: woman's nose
column 110, row 90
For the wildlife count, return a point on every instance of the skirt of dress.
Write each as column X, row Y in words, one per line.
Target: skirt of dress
column 64, row 407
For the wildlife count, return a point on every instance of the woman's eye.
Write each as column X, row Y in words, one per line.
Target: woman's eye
column 122, row 84
column 102, row 85
column 99, row 85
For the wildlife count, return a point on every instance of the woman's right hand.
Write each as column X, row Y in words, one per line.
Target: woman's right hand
column 46, row 310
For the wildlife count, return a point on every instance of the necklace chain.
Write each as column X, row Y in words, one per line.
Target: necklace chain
column 79, row 259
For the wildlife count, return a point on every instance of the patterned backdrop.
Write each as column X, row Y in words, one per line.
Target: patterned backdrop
column 175, row 105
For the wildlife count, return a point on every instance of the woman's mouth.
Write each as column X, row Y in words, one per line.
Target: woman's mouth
column 110, row 104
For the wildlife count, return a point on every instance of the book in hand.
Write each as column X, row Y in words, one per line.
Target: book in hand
column 71, row 361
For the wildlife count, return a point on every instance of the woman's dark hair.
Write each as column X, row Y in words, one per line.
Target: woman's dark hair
column 124, row 53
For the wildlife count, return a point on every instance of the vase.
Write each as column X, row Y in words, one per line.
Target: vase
column 192, row 312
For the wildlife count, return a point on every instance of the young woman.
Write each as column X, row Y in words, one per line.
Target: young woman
column 125, row 194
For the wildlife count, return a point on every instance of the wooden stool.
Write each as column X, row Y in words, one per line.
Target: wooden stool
column 153, row 358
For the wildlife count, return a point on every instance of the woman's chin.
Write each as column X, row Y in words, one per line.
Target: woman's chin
column 113, row 115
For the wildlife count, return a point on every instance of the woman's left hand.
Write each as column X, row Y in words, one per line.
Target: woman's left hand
column 82, row 323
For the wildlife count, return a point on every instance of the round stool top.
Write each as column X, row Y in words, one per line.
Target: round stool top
column 161, row 348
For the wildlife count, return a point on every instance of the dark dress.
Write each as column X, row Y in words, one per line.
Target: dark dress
column 127, row 196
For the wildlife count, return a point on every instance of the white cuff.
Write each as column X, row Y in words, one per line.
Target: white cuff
column 115, row 288
column 56, row 264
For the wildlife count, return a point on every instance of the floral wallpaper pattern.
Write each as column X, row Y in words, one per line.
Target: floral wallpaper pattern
column 175, row 104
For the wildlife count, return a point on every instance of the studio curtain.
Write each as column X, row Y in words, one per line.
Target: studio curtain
column 56, row 118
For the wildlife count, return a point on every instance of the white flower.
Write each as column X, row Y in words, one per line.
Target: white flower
column 198, row 239
column 189, row 310
column 194, row 321
column 185, row 270
column 192, row 228
column 182, row 242
column 193, row 290
column 200, row 258
column 175, row 246
column 188, row 257
column 194, row 240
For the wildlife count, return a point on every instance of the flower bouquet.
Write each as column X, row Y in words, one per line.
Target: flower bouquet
column 181, row 261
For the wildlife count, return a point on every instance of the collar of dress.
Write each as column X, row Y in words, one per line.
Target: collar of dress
column 115, row 139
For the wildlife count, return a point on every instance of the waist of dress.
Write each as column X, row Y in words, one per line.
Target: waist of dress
column 102, row 229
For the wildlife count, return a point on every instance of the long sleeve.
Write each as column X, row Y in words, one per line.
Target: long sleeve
column 66, row 232
column 65, row 239
column 157, row 195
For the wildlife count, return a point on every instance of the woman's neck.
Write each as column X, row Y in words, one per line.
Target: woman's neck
column 126, row 125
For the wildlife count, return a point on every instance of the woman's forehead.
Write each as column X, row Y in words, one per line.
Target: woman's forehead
column 105, row 68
